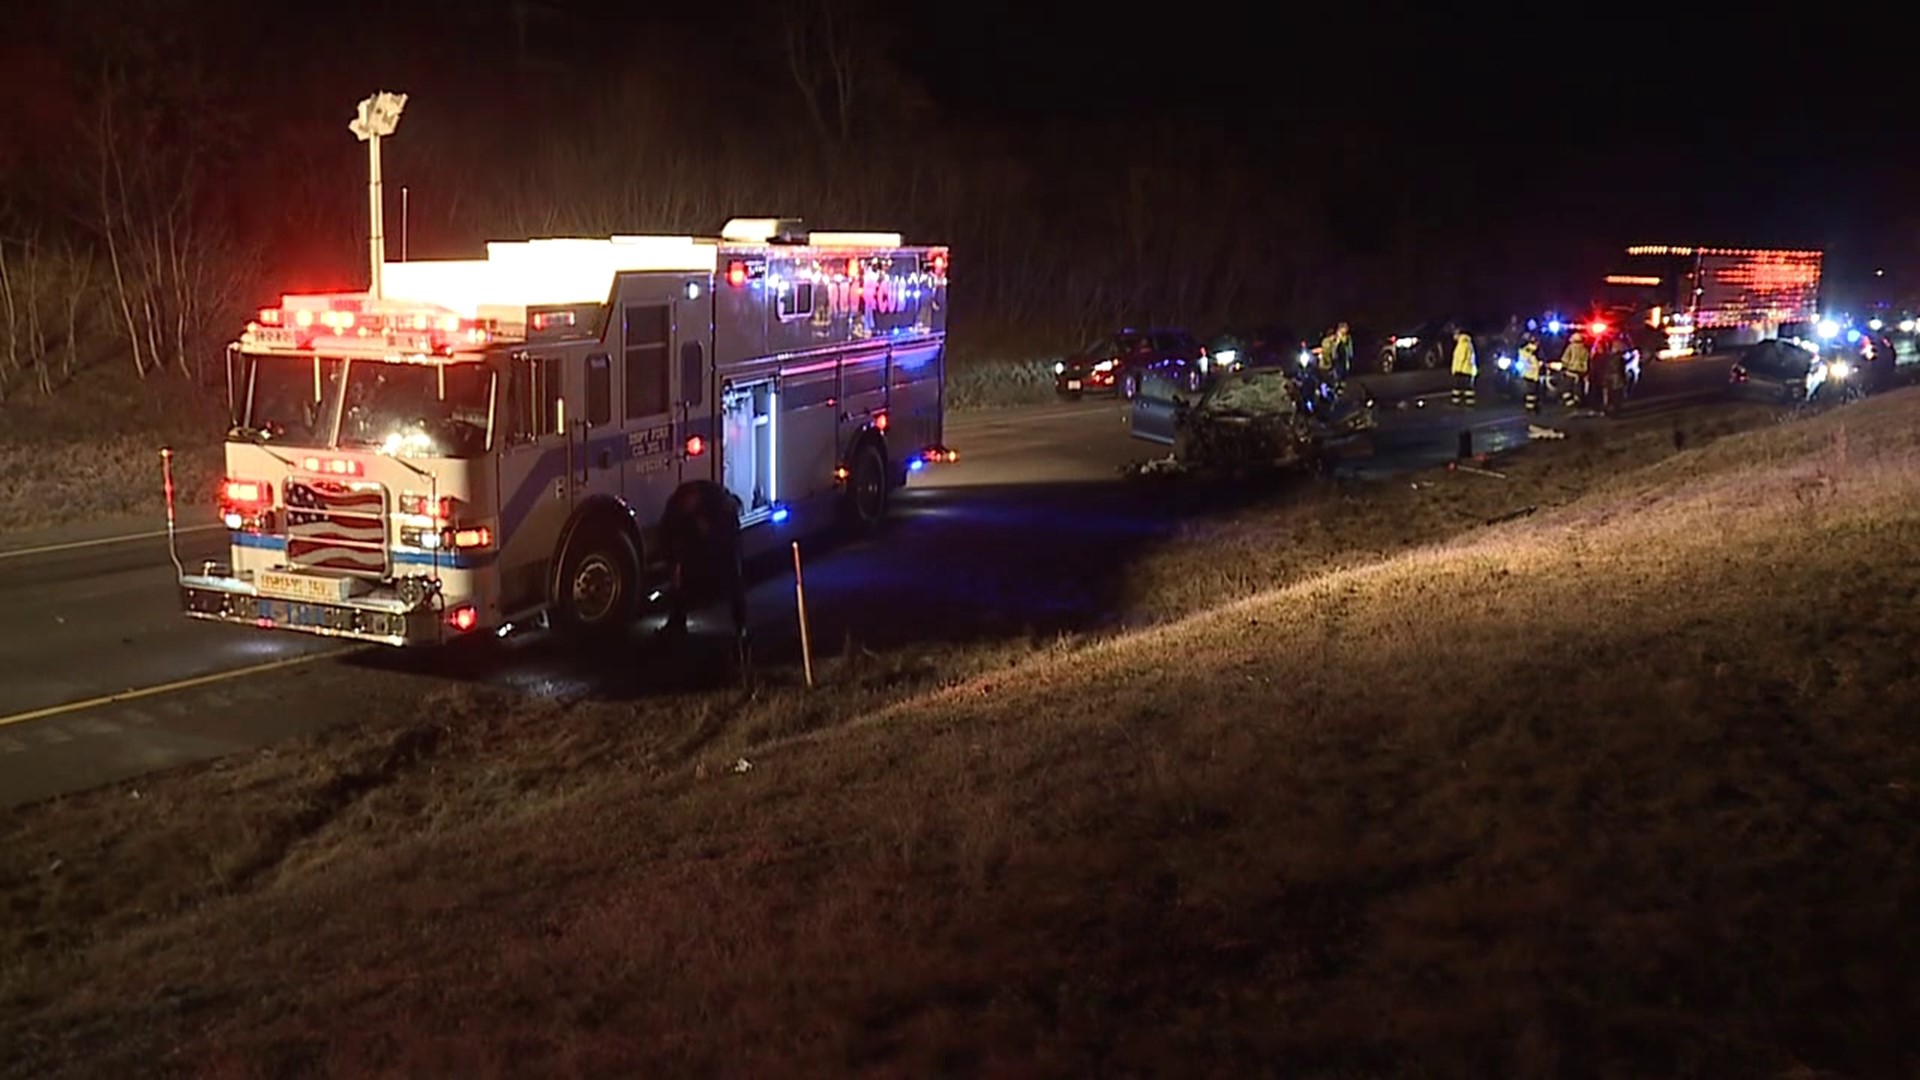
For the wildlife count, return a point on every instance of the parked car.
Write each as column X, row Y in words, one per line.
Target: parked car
column 1114, row 364
column 1797, row 370
column 1429, row 345
column 1254, row 346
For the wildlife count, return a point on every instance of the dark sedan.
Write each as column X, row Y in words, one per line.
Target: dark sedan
column 1114, row 364
column 1795, row 370
column 1429, row 345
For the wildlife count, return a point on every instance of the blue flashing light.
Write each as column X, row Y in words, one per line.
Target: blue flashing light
column 779, row 514
column 915, row 465
column 1853, row 337
column 1554, row 326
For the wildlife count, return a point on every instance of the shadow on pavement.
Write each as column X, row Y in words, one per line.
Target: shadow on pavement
column 958, row 564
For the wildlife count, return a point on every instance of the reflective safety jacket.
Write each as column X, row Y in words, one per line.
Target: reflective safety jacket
column 1577, row 359
column 1527, row 364
column 1463, row 359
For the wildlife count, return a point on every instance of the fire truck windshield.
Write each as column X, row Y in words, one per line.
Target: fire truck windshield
column 291, row 400
column 417, row 410
column 413, row 410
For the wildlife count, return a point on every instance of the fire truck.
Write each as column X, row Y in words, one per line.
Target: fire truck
column 1706, row 298
column 491, row 442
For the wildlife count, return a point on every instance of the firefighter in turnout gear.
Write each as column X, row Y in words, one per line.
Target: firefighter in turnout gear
column 1465, row 369
column 1336, row 353
column 1531, row 371
column 1574, row 364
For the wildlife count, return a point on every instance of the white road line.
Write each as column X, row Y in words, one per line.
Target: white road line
column 45, row 549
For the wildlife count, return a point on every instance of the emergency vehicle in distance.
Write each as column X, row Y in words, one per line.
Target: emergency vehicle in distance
column 499, row 445
column 1704, row 298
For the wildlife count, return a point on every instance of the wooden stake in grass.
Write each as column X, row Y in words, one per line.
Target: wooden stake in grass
column 800, row 600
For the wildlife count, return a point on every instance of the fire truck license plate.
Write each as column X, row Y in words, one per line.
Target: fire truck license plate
column 285, row 613
column 300, row 586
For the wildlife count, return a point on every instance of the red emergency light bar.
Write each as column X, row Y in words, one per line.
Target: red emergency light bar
column 306, row 322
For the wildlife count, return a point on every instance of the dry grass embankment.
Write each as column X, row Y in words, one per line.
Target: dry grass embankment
column 91, row 451
column 1624, row 788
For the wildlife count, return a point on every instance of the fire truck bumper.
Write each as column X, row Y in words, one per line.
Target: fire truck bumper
column 380, row 620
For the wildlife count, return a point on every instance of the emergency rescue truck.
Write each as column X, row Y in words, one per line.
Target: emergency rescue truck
column 498, row 446
column 1702, row 299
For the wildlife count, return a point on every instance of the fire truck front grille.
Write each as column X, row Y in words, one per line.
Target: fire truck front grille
column 333, row 525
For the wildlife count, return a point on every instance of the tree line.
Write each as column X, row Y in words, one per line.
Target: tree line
column 158, row 189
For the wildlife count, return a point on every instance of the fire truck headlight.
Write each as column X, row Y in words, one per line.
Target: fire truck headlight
column 1505, row 362
column 1828, row 329
column 1876, row 325
column 1907, row 325
column 1839, row 369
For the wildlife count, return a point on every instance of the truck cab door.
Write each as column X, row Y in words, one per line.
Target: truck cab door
column 536, row 483
column 665, row 325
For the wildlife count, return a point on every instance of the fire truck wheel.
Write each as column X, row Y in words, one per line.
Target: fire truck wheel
column 597, row 583
column 867, row 489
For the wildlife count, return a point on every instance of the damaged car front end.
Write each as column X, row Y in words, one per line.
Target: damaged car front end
column 1254, row 420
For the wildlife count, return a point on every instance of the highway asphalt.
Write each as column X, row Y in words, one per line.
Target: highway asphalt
column 1029, row 533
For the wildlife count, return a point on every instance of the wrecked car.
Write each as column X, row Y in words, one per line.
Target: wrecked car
column 1251, row 419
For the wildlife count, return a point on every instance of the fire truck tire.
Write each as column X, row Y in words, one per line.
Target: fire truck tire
column 599, row 581
column 866, row 498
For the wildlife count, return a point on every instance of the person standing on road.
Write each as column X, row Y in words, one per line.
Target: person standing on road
column 1465, row 369
column 1336, row 353
column 1528, row 361
column 1610, row 375
column 1574, row 364
column 701, row 528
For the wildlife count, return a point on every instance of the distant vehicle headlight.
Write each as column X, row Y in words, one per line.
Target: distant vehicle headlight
column 1103, row 367
column 1227, row 356
column 1405, row 342
column 1505, row 362
column 1306, row 358
column 1907, row 325
column 1876, row 325
column 1059, row 367
column 1839, row 369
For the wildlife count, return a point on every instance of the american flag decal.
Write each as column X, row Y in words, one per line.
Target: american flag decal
column 335, row 526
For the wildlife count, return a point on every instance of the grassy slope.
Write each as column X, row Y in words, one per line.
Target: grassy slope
column 1623, row 788
column 91, row 451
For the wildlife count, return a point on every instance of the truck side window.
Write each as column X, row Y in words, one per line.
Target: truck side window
column 599, row 389
column 647, row 329
column 533, row 393
column 796, row 302
column 693, row 375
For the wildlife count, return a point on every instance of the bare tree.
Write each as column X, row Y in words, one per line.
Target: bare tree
column 823, row 58
column 10, row 305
